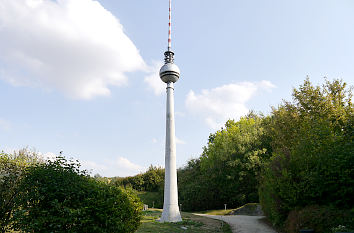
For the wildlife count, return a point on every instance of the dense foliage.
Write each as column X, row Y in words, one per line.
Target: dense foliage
column 323, row 219
column 193, row 188
column 226, row 172
column 152, row 180
column 12, row 167
column 300, row 158
column 313, row 159
column 55, row 196
column 148, row 186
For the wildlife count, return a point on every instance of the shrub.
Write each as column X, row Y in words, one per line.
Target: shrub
column 322, row 219
column 12, row 167
column 312, row 163
column 58, row 197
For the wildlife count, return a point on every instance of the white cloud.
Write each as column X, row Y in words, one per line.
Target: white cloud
column 119, row 167
column 154, row 140
column 153, row 79
column 226, row 102
column 4, row 125
column 74, row 46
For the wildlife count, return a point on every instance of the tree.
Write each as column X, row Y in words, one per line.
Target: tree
column 194, row 188
column 57, row 197
column 313, row 159
column 227, row 170
column 153, row 178
column 12, row 167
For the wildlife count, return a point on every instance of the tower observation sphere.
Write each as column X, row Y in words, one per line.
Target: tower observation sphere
column 169, row 72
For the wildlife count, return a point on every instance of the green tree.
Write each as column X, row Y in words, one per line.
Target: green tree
column 313, row 159
column 153, row 178
column 194, row 188
column 57, row 197
column 12, row 167
column 150, row 181
column 228, row 168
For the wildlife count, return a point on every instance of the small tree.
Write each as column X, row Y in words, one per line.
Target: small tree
column 58, row 197
column 12, row 167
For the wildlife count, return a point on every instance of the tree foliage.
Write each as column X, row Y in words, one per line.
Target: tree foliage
column 227, row 170
column 324, row 219
column 313, row 159
column 57, row 197
column 12, row 167
column 194, row 188
column 150, row 181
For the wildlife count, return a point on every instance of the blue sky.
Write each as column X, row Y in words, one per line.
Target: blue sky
column 80, row 76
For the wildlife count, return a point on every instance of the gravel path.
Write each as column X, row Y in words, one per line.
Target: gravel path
column 243, row 223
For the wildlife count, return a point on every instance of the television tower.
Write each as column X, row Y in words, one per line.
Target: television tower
column 169, row 73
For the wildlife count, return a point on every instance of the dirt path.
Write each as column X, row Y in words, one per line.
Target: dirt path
column 243, row 223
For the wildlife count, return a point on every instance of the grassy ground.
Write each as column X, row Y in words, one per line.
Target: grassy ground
column 216, row 212
column 248, row 209
column 191, row 223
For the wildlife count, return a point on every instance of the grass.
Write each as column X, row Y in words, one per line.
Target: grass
column 216, row 212
column 191, row 223
column 248, row 208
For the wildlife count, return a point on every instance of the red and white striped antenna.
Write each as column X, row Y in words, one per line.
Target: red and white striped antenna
column 169, row 27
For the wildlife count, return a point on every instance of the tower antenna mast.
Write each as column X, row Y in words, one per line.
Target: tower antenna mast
column 169, row 26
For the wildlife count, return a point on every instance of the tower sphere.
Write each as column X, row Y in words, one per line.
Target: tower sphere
column 169, row 72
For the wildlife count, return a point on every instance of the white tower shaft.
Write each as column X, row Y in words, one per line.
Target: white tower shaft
column 170, row 207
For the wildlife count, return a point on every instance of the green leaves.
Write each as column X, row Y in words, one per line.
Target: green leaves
column 150, row 181
column 314, row 151
column 227, row 170
column 57, row 197
column 12, row 167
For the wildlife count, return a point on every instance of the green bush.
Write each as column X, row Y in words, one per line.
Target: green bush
column 322, row 219
column 227, row 170
column 57, row 197
column 12, row 167
column 313, row 159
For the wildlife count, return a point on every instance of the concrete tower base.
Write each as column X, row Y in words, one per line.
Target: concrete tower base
column 171, row 214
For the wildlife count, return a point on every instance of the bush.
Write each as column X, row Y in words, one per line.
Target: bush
column 313, row 160
column 322, row 219
column 58, row 197
column 12, row 167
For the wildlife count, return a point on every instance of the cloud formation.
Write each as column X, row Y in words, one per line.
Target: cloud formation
column 225, row 102
column 74, row 46
column 119, row 167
